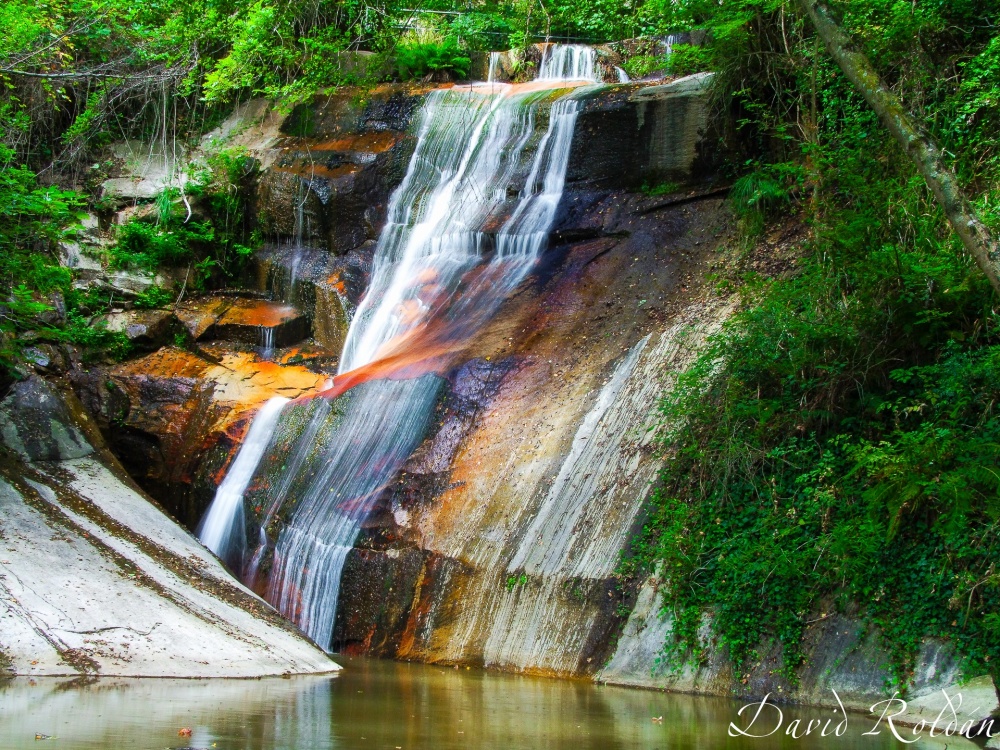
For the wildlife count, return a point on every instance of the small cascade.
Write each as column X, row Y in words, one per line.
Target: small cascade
column 491, row 76
column 223, row 527
column 669, row 43
column 568, row 62
column 266, row 342
column 301, row 196
column 622, row 75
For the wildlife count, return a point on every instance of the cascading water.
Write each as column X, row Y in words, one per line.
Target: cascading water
column 668, row 45
column 491, row 75
column 438, row 275
column 422, row 298
column 568, row 62
column 222, row 529
column 266, row 342
column 301, row 196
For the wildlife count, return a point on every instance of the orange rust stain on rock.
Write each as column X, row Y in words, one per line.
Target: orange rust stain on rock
column 419, row 612
column 191, row 420
column 336, row 283
column 372, row 143
column 169, row 362
column 255, row 312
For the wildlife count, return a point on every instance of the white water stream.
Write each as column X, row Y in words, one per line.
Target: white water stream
column 456, row 244
column 222, row 529
column 568, row 62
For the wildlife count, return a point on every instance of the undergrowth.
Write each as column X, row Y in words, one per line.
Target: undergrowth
column 836, row 447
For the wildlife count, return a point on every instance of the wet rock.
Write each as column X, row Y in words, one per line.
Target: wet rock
column 378, row 587
column 326, row 287
column 254, row 322
column 471, row 388
column 146, row 329
column 330, row 177
column 174, row 416
column 36, row 423
column 260, row 323
column 626, row 136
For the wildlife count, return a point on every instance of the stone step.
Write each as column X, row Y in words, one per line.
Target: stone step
column 249, row 321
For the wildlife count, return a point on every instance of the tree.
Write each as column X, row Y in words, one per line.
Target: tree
column 924, row 152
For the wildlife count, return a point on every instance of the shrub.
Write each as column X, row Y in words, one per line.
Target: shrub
column 418, row 59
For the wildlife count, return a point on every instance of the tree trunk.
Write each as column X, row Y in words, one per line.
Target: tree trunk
column 921, row 149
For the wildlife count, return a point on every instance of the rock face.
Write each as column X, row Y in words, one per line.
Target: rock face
column 326, row 287
column 627, row 136
column 842, row 656
column 147, row 330
column 94, row 579
column 147, row 170
column 246, row 320
column 520, row 502
column 173, row 416
column 328, row 184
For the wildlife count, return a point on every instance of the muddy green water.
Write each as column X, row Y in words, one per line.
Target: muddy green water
column 376, row 705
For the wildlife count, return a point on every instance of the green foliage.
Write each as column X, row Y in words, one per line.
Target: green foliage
column 32, row 220
column 481, row 31
column 640, row 66
column 763, row 193
column 153, row 297
column 222, row 187
column 686, row 59
column 514, row 581
column 660, row 188
column 418, row 59
column 148, row 247
column 95, row 340
column 837, row 445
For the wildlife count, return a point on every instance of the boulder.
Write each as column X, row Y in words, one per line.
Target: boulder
column 255, row 322
column 146, row 329
column 36, row 423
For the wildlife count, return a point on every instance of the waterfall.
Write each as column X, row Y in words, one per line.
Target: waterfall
column 302, row 189
column 668, row 47
column 568, row 62
column 437, row 277
column 455, row 246
column 222, row 529
column 491, row 76
column 622, row 75
column 266, row 341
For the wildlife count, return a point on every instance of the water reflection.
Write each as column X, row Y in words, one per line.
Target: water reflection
column 382, row 705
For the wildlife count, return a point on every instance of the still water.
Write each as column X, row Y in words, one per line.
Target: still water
column 377, row 704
